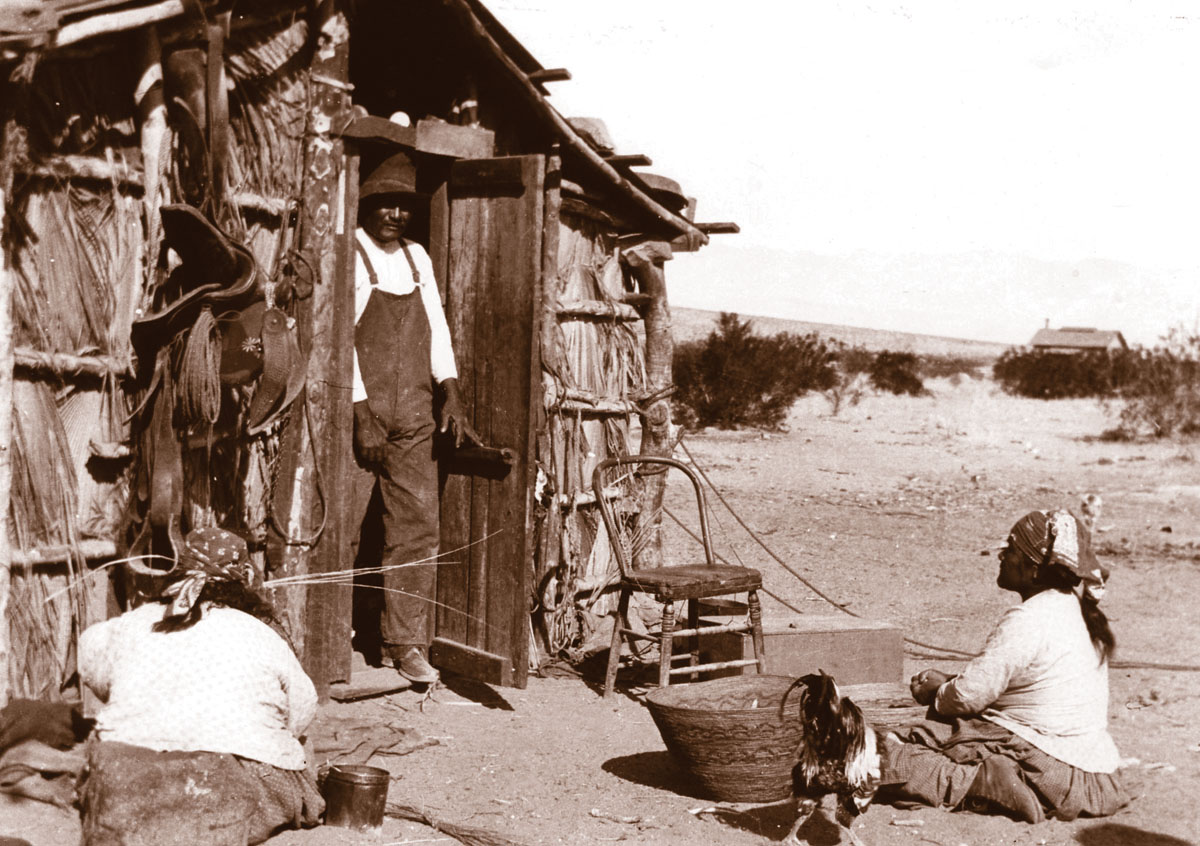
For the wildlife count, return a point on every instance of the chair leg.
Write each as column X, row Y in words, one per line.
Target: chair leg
column 614, row 650
column 756, row 630
column 694, row 641
column 666, row 640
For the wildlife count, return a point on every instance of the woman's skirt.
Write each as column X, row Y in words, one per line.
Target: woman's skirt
column 974, row 764
column 133, row 796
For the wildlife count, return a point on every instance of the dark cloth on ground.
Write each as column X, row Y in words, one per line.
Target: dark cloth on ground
column 133, row 796
column 57, row 724
column 973, row 764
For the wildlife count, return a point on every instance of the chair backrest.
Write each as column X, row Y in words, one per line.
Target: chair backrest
column 609, row 516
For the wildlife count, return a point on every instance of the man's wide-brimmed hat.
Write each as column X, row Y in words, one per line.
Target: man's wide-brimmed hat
column 395, row 175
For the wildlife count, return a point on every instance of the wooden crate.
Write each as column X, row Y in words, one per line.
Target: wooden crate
column 852, row 650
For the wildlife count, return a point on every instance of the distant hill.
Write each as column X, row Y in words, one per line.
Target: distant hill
column 689, row 324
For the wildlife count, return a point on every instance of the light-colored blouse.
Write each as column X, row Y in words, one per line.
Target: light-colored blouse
column 1041, row 678
column 227, row 684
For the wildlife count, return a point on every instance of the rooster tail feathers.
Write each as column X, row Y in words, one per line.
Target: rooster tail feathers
column 854, row 728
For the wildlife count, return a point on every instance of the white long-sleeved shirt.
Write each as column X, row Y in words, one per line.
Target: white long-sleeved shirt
column 1041, row 678
column 227, row 684
column 396, row 277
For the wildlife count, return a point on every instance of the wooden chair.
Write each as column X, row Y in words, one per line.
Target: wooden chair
column 691, row 582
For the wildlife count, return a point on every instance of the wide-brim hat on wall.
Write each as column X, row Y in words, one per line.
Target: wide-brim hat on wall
column 396, row 175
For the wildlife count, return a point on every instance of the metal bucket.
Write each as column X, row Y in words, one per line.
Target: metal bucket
column 355, row 796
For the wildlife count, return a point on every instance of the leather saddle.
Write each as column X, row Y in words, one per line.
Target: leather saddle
column 213, row 271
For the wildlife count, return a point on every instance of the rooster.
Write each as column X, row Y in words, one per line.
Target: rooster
column 838, row 754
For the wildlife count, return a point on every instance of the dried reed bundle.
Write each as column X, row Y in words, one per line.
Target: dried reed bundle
column 267, row 66
column 43, row 512
column 607, row 359
column 77, row 282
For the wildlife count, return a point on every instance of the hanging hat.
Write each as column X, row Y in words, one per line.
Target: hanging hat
column 394, row 175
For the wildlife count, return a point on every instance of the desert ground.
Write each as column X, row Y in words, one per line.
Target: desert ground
column 893, row 508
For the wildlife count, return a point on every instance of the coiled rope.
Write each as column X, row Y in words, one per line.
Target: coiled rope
column 200, row 371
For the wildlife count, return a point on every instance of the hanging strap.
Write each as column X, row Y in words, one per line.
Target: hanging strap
column 362, row 253
column 374, row 277
column 412, row 265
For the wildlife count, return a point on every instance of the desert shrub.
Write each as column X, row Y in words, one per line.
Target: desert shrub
column 897, row 372
column 1056, row 375
column 734, row 378
column 946, row 366
column 1163, row 397
column 854, row 359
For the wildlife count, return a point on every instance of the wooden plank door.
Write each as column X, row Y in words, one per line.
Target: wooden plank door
column 493, row 292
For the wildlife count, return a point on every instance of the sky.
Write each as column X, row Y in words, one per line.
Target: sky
column 949, row 168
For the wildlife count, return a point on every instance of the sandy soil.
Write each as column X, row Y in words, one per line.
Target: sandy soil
column 892, row 507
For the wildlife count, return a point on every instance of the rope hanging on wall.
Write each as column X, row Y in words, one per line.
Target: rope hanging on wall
column 200, row 372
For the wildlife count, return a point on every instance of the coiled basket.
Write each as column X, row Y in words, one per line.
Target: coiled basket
column 728, row 734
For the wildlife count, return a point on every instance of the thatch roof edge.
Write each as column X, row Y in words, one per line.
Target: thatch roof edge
column 478, row 29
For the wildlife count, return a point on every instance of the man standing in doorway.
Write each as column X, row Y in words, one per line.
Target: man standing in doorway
column 403, row 357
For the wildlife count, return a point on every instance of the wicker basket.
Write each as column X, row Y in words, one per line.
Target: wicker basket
column 729, row 735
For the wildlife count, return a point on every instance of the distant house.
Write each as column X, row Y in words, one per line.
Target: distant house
column 1072, row 339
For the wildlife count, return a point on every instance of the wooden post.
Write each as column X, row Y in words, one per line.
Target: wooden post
column 6, row 401
column 646, row 261
column 322, row 444
column 16, row 92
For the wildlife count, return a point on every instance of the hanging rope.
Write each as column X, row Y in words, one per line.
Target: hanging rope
column 200, row 371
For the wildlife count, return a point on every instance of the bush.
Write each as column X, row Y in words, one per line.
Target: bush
column 1164, row 398
column 855, row 359
column 1055, row 375
column 734, row 378
column 944, row 366
column 897, row 372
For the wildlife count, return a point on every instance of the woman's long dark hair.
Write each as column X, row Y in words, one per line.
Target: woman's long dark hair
column 1057, row 577
column 230, row 594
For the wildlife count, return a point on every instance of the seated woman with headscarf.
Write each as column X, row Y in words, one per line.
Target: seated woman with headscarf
column 204, row 702
column 1023, row 728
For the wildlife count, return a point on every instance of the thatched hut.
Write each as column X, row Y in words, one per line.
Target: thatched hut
column 549, row 250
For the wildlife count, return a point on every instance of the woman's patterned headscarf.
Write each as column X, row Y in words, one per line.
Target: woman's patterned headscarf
column 209, row 554
column 1059, row 537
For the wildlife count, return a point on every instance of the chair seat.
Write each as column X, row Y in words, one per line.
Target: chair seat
column 693, row 581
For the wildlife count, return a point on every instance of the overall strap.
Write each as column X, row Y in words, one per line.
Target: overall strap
column 412, row 265
column 362, row 253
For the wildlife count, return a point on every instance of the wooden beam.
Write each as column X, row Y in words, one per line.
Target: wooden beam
column 606, row 408
column 630, row 160
column 6, row 403
column 537, row 77
column 581, row 498
column 459, row 142
column 127, row 177
column 67, row 365
column 89, row 550
column 719, row 228
column 110, row 22
column 461, row 10
column 598, row 309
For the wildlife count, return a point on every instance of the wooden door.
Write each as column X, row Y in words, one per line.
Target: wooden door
column 493, row 292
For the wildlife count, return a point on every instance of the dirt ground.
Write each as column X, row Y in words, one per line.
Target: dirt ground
column 892, row 507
